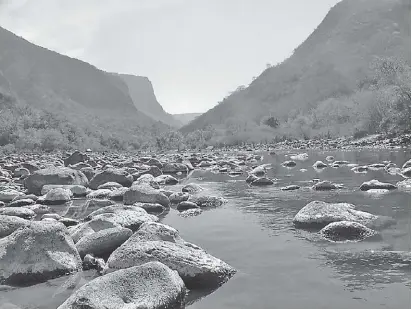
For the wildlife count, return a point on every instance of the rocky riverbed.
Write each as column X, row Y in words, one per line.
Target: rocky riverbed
column 104, row 217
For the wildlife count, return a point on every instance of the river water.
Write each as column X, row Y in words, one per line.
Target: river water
column 277, row 265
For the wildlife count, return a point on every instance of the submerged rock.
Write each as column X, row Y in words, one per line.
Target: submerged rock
column 149, row 286
column 346, row 231
column 376, row 184
column 36, row 253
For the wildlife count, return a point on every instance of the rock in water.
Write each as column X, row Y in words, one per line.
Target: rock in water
column 197, row 268
column 36, row 253
column 346, row 231
column 325, row 185
column 57, row 196
column 104, row 242
column 289, row 163
column 54, row 176
column 376, row 184
column 182, row 206
column 319, row 214
column 192, row 188
column 145, row 194
column 262, row 182
column 111, row 175
column 149, row 286
column 319, row 164
column 178, row 197
column 207, row 200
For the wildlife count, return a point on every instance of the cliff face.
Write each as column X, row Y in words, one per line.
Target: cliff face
column 328, row 64
column 144, row 99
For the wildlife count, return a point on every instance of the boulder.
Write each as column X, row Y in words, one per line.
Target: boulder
column 103, row 242
column 151, row 208
column 39, row 209
column 91, row 262
column 21, row 202
column 8, row 195
column 111, row 175
column 75, row 157
column 289, row 163
column 319, row 164
column 145, row 194
column 151, row 285
column 99, row 194
column 290, row 188
column 166, row 180
column 21, row 172
column 325, row 185
column 376, row 184
column 346, row 231
column 21, row 212
column 300, row 156
column 110, row 186
column 54, row 176
column 57, row 196
column 192, row 188
column 407, row 164
column 197, row 268
column 182, row 206
column 131, row 217
column 190, row 213
column 178, row 197
column 263, row 181
column 77, row 190
column 36, row 253
column 406, row 172
column 207, row 201
column 251, row 178
column 9, row 224
column 319, row 214
column 117, row 194
column 173, row 168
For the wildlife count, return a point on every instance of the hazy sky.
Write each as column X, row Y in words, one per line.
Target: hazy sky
column 194, row 51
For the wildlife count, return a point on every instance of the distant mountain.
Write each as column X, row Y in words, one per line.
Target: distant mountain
column 143, row 96
column 186, row 118
column 66, row 88
column 327, row 66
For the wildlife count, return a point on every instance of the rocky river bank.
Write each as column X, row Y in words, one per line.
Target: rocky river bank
column 115, row 226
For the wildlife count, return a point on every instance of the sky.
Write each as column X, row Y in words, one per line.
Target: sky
column 195, row 52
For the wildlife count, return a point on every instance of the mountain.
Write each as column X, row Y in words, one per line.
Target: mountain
column 186, row 118
column 141, row 91
column 326, row 68
column 72, row 92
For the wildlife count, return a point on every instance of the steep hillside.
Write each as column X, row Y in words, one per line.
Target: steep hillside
column 329, row 64
column 143, row 96
column 49, row 94
column 43, row 78
column 186, row 118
